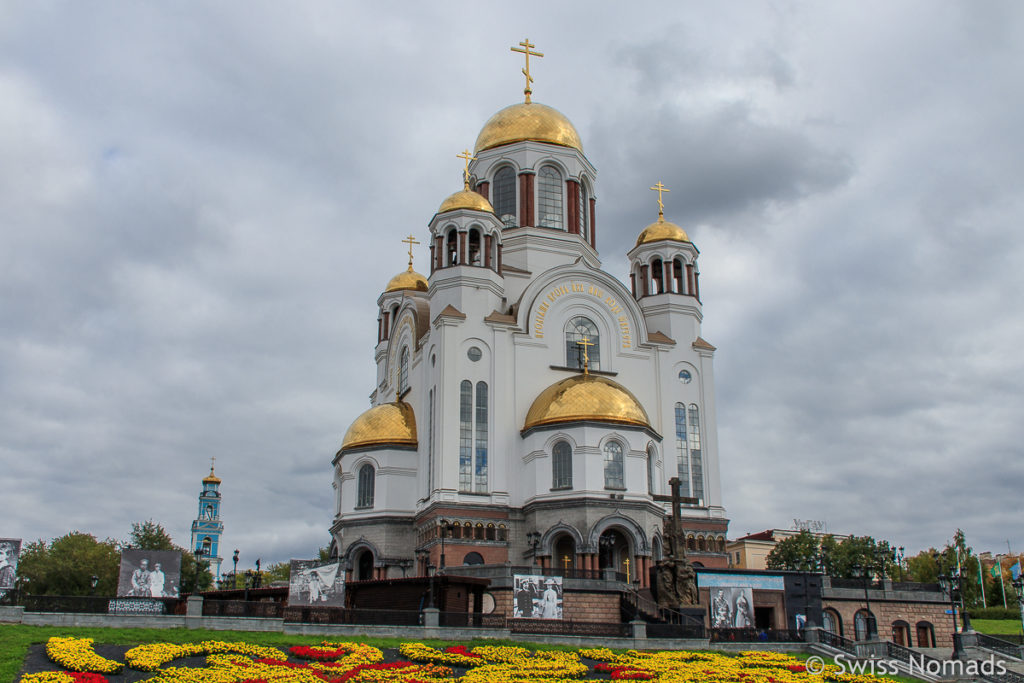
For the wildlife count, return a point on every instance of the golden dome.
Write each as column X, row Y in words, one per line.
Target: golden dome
column 586, row 397
column 392, row 424
column 212, row 478
column 466, row 199
column 407, row 279
column 661, row 229
column 528, row 121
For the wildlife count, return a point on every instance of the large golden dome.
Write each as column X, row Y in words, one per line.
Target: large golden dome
column 407, row 280
column 466, row 199
column 661, row 229
column 389, row 424
column 586, row 397
column 528, row 121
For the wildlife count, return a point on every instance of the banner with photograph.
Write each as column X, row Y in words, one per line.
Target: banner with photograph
column 149, row 574
column 536, row 597
column 10, row 548
column 315, row 583
column 732, row 607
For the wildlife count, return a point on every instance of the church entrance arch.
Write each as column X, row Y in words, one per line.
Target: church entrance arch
column 613, row 552
column 564, row 552
column 364, row 565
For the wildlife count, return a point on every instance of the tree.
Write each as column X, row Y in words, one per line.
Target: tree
column 798, row 553
column 281, row 571
column 858, row 554
column 66, row 566
column 956, row 556
column 150, row 535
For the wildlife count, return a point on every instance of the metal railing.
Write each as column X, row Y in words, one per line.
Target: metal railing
column 911, row 657
column 999, row 645
column 491, row 570
column 570, row 627
column 754, row 635
column 338, row 615
column 242, row 608
column 838, row 642
column 693, row 631
column 471, row 620
column 95, row 604
column 912, row 586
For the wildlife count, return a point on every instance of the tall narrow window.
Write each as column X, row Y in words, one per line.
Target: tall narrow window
column 584, row 208
column 466, row 436
column 475, row 253
column 696, row 464
column 561, row 466
column 678, row 270
column 613, row 465
column 366, row 485
column 549, row 198
column 481, row 437
column 504, row 193
column 575, row 330
column 403, row 370
column 682, row 452
column 430, row 443
column 657, row 277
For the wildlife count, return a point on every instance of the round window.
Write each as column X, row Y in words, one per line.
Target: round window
column 474, row 353
column 685, row 376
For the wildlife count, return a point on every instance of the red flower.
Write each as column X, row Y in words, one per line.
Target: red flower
column 461, row 650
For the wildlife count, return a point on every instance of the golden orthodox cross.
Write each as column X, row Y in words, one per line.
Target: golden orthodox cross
column 525, row 49
column 585, row 342
column 566, row 561
column 626, row 562
column 465, row 172
column 410, row 240
column 213, row 461
column 659, row 188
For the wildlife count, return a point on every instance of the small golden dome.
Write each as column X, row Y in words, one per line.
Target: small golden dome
column 586, row 397
column 392, row 424
column 661, row 229
column 407, row 280
column 466, row 199
column 212, row 478
column 528, row 121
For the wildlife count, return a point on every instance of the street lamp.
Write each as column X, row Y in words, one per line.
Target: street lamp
column 445, row 527
column 899, row 560
column 869, row 618
column 533, row 538
column 947, row 586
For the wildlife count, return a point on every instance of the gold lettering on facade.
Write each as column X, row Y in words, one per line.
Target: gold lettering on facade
column 582, row 288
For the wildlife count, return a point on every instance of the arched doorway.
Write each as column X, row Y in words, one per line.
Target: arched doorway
column 614, row 551
column 364, row 565
column 563, row 553
column 901, row 633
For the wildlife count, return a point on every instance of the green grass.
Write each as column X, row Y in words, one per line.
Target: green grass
column 996, row 626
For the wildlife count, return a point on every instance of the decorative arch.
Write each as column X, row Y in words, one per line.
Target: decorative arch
column 832, row 621
column 546, row 541
column 624, row 523
column 901, row 633
column 361, row 543
column 925, row 634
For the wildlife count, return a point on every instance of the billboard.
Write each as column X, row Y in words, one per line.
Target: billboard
column 9, row 550
column 149, row 574
column 315, row 583
column 732, row 607
column 536, row 597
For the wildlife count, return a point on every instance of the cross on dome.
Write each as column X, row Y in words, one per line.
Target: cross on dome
column 585, row 343
column 465, row 172
column 410, row 240
column 659, row 188
column 524, row 49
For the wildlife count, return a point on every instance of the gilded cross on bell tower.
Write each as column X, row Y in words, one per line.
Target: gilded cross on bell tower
column 659, row 188
column 410, row 240
column 524, row 49
column 465, row 172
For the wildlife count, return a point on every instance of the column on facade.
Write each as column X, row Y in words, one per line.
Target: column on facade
column 572, row 190
column 644, row 279
column 488, row 241
column 668, row 272
column 386, row 316
column 593, row 223
column 439, row 252
column 689, row 279
column 484, row 190
column 462, row 248
column 526, row 198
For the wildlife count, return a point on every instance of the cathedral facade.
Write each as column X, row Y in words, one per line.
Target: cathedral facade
column 530, row 405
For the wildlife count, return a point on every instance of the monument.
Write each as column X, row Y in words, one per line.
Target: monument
column 675, row 581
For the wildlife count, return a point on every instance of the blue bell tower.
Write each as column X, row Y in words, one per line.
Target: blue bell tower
column 207, row 527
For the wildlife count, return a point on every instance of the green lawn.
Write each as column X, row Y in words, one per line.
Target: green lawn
column 996, row 626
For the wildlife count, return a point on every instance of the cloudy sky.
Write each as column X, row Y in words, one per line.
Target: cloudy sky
column 199, row 204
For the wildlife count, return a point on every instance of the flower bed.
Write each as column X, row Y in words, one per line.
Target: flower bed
column 351, row 662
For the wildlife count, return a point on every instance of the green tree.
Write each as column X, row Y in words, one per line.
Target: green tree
column 798, row 553
column 281, row 571
column 955, row 556
column 66, row 566
column 150, row 535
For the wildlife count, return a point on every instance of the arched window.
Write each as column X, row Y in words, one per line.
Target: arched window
column 682, row 452
column 502, row 532
column 207, row 545
column 549, row 198
column 696, row 463
column 613, row 466
column 474, row 248
column 561, row 466
column 366, row 486
column 652, row 457
column 473, row 427
column 364, row 566
column 209, row 511
column 478, row 531
column 491, row 532
column 504, row 196
column 575, row 330
column 452, row 248
column 832, row 622
column 657, row 277
column 861, row 625
column 403, row 370
column 678, row 270
column 473, row 558
column 901, row 633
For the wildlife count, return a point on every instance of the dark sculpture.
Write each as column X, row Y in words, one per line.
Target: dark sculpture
column 675, row 579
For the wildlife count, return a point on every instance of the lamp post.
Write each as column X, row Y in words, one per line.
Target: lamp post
column 948, row 586
column 869, row 618
column 899, row 560
column 234, row 570
column 445, row 526
column 533, row 538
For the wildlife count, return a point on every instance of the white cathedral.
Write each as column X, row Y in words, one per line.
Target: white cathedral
column 529, row 404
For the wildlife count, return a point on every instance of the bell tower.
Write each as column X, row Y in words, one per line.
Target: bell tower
column 207, row 527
